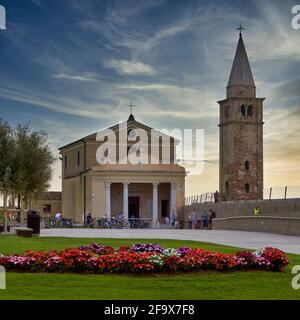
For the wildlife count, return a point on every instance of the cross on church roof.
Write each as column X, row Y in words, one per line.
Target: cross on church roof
column 131, row 106
column 240, row 28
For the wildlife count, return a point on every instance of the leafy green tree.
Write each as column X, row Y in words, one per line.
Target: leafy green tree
column 32, row 164
column 7, row 146
column 25, row 161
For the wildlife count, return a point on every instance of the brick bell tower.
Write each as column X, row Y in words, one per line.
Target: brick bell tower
column 241, row 133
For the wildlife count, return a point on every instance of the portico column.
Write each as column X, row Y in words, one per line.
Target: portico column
column 125, row 200
column 107, row 200
column 173, row 207
column 155, row 222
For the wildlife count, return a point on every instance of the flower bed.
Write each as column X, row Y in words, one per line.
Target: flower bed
column 143, row 258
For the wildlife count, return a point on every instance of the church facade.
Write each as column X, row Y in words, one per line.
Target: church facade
column 241, row 134
column 148, row 190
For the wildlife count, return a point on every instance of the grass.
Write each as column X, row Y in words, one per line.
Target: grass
column 204, row 285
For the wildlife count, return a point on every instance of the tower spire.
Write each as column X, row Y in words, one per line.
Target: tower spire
column 241, row 82
column 240, row 28
column 131, row 117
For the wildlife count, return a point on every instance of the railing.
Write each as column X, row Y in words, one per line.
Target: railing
column 201, row 198
column 286, row 192
column 271, row 193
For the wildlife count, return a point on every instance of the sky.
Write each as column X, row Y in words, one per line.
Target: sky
column 71, row 67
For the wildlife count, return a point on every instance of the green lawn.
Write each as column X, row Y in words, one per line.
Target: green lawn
column 205, row 285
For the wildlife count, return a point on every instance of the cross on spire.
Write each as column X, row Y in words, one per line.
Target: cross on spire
column 131, row 105
column 240, row 28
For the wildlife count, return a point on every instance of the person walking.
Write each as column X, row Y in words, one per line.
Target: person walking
column 167, row 220
column 216, row 196
column 58, row 219
column 211, row 217
column 193, row 219
column 204, row 219
column 89, row 220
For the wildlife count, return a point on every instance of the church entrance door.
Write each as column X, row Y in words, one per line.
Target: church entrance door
column 134, row 207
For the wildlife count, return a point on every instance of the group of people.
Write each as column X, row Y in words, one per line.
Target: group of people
column 205, row 219
column 173, row 221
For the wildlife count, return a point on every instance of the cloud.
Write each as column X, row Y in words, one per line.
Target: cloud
column 84, row 77
column 177, row 103
column 130, row 67
column 64, row 105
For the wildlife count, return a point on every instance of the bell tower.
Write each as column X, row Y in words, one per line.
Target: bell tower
column 241, row 133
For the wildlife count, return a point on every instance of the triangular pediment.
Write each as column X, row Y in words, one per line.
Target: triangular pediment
column 131, row 124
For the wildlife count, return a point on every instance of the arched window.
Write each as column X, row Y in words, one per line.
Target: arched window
column 247, row 165
column 250, row 111
column 243, row 110
column 227, row 111
column 247, row 187
column 246, row 111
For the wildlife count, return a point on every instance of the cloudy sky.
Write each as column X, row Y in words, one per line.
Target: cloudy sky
column 71, row 67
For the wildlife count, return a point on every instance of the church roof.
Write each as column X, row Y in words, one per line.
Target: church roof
column 241, row 74
column 131, row 123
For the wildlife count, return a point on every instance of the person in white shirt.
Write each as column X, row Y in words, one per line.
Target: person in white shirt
column 58, row 218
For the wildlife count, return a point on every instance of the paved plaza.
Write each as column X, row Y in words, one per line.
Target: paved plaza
column 241, row 239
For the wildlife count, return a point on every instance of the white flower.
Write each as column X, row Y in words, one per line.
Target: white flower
column 258, row 252
column 156, row 259
column 170, row 252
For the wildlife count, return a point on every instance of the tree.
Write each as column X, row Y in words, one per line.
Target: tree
column 6, row 155
column 25, row 162
column 32, row 163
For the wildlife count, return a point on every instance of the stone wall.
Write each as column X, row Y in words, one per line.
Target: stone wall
column 279, row 208
column 277, row 216
column 279, row 225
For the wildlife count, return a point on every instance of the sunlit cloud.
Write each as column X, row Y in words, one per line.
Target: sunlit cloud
column 86, row 77
column 130, row 67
